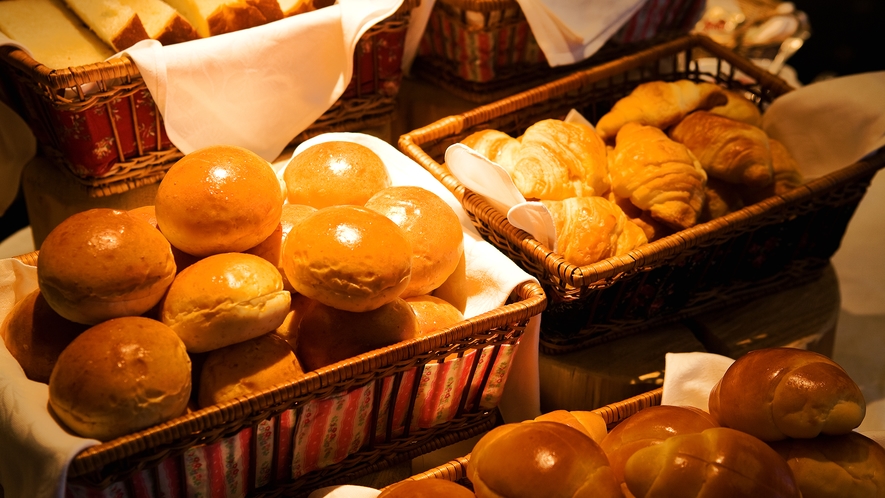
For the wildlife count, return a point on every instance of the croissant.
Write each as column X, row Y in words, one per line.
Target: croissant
column 590, row 229
column 659, row 104
column 653, row 228
column 786, row 175
column 720, row 198
column 727, row 149
column 739, row 108
column 658, row 175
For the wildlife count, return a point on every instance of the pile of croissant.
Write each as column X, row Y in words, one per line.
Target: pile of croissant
column 665, row 157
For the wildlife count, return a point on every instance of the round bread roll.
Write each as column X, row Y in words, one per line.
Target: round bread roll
column 591, row 424
column 547, row 459
column 104, row 263
column 35, row 335
column 348, row 257
column 433, row 229
column 426, row 488
column 717, row 462
column 288, row 330
column 327, row 335
column 847, row 466
column 334, row 173
column 776, row 393
column 138, row 375
column 454, row 289
column 292, row 215
column 245, row 368
column 218, row 199
column 651, row 426
column 224, row 299
column 149, row 214
column 433, row 313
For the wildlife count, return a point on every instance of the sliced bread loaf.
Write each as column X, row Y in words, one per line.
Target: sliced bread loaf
column 214, row 17
column 162, row 22
column 117, row 24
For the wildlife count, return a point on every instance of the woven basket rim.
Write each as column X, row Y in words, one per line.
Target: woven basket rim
column 554, row 263
column 531, row 301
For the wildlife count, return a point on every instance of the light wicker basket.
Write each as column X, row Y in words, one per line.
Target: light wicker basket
column 368, row 412
column 777, row 243
column 484, row 50
column 113, row 140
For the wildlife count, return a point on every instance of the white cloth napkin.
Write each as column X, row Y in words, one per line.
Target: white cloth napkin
column 689, row 378
column 830, row 124
column 260, row 87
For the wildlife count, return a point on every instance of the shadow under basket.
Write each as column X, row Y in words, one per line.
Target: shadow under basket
column 100, row 121
column 326, row 427
column 772, row 245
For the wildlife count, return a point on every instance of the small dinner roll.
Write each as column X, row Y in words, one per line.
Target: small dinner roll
column 426, row 488
column 434, row 313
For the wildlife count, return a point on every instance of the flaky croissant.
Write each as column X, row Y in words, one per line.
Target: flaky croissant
column 739, row 108
column 551, row 160
column 658, row 175
column 786, row 175
column 727, row 149
column 590, row 229
column 660, row 104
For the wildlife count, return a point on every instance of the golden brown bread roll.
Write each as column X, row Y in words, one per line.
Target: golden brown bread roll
column 653, row 228
column 426, row 488
column 591, row 424
column 847, row 466
column 149, row 214
column 35, row 335
column 348, row 257
column 224, row 299
column 590, row 229
column 776, row 393
column 104, row 263
column 727, row 149
column 335, row 173
column 288, row 330
column 218, row 199
column 786, row 175
column 138, row 375
column 245, row 368
column 658, row 175
column 660, row 104
column 433, row 313
column 552, row 160
column 648, row 427
column 718, row 462
column 739, row 108
column 327, row 335
column 433, row 230
column 547, row 459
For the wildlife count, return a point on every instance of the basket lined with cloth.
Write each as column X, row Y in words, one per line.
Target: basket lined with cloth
column 770, row 245
column 100, row 120
column 484, row 50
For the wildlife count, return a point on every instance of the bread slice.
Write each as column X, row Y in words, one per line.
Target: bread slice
column 214, row 17
column 117, row 24
column 53, row 34
column 162, row 22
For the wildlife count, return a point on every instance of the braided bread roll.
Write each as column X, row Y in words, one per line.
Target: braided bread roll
column 658, row 175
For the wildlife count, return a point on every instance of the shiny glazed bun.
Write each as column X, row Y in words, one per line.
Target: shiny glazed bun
column 454, row 289
column 776, row 393
column 334, row 173
column 35, row 335
column 291, row 216
column 539, row 459
column 224, row 299
column 433, row 229
column 847, row 466
column 120, row 376
column 348, row 257
column 651, row 426
column 433, row 313
column 218, row 199
column 591, row 424
column 716, row 463
column 426, row 488
column 327, row 335
column 146, row 213
column 245, row 368
column 104, row 263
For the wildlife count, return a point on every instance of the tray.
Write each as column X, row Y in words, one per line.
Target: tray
column 775, row 244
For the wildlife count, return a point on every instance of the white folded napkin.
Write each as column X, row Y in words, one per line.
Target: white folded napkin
column 345, row 491
column 260, row 87
column 689, row 378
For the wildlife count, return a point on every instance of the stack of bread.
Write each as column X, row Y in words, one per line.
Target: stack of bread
column 780, row 424
column 64, row 33
column 665, row 157
column 227, row 286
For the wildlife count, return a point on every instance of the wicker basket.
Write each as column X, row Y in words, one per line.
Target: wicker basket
column 114, row 140
column 368, row 412
column 484, row 50
column 456, row 470
column 777, row 243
